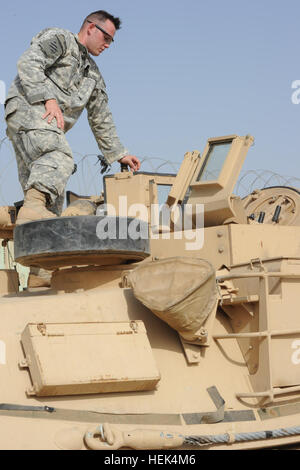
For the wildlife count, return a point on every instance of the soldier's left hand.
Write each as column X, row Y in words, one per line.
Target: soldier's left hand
column 132, row 161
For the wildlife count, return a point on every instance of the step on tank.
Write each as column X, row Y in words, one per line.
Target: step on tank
column 155, row 326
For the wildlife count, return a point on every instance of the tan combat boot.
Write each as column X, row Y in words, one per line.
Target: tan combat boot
column 34, row 207
column 80, row 207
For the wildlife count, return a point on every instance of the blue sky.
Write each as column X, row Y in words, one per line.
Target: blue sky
column 177, row 74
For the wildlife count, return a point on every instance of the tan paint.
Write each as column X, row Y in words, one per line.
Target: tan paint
column 251, row 351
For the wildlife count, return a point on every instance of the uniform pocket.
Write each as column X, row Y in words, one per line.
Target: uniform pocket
column 38, row 142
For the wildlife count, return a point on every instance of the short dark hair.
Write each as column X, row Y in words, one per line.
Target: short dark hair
column 102, row 16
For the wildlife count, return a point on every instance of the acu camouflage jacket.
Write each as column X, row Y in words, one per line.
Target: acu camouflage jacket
column 58, row 66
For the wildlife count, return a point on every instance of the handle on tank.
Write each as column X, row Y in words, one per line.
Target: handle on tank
column 112, row 438
column 124, row 167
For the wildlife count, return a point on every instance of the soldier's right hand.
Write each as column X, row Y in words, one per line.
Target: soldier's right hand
column 54, row 111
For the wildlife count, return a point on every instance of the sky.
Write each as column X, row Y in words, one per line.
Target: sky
column 177, row 74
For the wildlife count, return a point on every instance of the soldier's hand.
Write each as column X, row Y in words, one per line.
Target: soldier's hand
column 54, row 111
column 132, row 161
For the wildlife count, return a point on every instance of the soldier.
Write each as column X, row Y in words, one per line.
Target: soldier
column 57, row 79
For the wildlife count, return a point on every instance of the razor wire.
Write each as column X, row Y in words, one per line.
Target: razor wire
column 88, row 179
column 258, row 179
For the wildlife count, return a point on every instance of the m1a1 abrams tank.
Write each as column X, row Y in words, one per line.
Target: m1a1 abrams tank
column 170, row 329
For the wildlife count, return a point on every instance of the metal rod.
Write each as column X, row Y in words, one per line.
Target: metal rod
column 259, row 274
column 267, row 393
column 257, row 334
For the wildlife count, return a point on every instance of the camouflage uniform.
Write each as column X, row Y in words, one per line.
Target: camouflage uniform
column 56, row 66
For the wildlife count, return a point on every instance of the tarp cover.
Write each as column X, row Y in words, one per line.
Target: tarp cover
column 180, row 291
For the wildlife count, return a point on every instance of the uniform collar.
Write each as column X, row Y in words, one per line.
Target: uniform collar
column 84, row 52
column 82, row 48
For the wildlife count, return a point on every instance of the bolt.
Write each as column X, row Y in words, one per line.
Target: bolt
column 134, row 326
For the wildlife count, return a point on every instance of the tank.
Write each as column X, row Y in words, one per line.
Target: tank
column 162, row 314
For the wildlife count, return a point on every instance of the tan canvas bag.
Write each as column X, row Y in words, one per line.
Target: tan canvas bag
column 181, row 291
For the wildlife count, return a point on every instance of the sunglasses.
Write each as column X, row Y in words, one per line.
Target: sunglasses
column 108, row 38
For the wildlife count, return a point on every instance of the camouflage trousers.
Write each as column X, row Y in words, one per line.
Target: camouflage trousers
column 44, row 158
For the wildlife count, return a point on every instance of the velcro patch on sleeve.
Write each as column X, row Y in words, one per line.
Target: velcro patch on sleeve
column 53, row 47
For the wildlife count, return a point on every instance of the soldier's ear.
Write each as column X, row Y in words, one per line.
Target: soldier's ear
column 90, row 28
